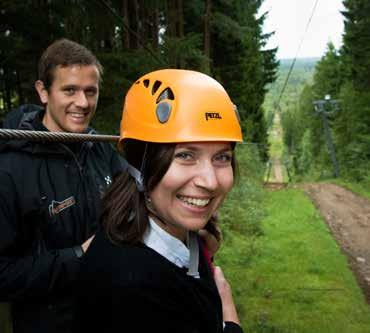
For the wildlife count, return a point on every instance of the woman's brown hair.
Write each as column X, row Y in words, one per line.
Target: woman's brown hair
column 124, row 214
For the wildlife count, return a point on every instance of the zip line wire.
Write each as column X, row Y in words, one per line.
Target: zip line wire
column 55, row 136
column 44, row 136
column 296, row 55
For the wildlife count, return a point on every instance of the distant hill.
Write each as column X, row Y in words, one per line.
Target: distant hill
column 299, row 62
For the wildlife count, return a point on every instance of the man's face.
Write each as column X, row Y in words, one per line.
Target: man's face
column 72, row 98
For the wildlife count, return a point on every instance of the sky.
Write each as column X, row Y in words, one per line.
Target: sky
column 289, row 18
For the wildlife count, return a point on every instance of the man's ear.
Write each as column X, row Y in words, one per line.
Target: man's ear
column 41, row 90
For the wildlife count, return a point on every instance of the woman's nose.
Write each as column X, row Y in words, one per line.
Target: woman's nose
column 207, row 177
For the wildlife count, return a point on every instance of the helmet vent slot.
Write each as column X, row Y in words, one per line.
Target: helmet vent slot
column 166, row 94
column 156, row 86
column 163, row 111
column 146, row 83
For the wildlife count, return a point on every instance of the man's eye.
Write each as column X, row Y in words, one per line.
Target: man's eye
column 69, row 91
column 90, row 92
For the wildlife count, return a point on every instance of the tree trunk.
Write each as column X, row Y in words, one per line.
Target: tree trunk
column 8, row 94
column 207, row 33
column 180, row 19
column 138, row 23
column 155, row 28
column 126, row 20
column 145, row 16
column 171, row 18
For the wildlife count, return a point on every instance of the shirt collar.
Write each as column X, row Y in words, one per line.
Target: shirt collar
column 166, row 245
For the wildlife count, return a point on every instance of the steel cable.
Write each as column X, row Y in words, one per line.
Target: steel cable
column 8, row 134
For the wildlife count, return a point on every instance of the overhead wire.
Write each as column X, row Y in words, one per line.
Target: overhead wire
column 296, row 55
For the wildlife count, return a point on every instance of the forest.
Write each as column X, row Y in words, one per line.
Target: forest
column 340, row 145
column 132, row 37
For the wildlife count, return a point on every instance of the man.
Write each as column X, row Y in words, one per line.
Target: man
column 50, row 192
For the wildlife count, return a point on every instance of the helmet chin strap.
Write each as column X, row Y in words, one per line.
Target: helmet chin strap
column 193, row 246
column 192, row 237
column 137, row 175
column 191, row 242
column 134, row 173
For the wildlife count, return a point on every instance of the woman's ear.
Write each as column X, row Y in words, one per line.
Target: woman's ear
column 42, row 91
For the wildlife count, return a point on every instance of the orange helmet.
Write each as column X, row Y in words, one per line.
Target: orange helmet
column 174, row 105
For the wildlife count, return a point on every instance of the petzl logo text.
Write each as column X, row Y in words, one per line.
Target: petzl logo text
column 212, row 115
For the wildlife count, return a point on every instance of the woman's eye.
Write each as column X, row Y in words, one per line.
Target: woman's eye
column 224, row 158
column 184, row 156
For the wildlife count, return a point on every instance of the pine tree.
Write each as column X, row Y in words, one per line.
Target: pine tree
column 356, row 39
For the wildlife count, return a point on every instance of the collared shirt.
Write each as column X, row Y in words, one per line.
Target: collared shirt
column 166, row 245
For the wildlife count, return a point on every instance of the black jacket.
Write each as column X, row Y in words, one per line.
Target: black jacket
column 49, row 205
column 135, row 289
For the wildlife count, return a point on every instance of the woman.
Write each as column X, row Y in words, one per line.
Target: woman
column 146, row 270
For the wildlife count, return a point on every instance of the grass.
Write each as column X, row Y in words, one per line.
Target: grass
column 294, row 278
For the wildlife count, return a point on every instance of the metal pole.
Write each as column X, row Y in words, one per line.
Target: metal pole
column 320, row 110
column 330, row 144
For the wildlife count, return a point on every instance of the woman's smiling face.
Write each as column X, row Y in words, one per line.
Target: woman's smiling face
column 194, row 186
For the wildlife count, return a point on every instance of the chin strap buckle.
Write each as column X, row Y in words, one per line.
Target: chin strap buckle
column 193, row 246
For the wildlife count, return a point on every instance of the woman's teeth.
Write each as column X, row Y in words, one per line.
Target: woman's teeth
column 194, row 201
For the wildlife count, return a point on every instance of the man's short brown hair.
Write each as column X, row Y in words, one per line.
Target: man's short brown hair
column 64, row 52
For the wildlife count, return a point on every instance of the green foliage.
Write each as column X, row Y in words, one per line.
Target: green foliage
column 185, row 52
column 327, row 76
column 352, row 129
column 249, row 189
column 240, row 220
column 356, row 39
column 304, row 158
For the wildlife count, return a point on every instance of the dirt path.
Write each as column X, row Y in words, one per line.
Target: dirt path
column 278, row 173
column 348, row 217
